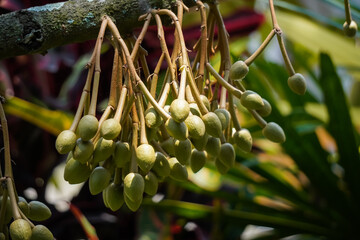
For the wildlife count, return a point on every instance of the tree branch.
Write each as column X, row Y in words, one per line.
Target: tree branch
column 37, row 29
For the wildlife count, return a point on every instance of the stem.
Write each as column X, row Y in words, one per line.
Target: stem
column 114, row 79
column 134, row 143
column 140, row 108
column 155, row 77
column 3, row 208
column 251, row 59
column 127, row 109
column 236, row 92
column 117, row 177
column 5, row 130
column 234, row 119
column 11, row 192
column 182, row 83
column 141, row 36
column 288, row 64
column 347, row 11
column 121, row 104
column 273, row 15
column 203, row 46
column 158, row 148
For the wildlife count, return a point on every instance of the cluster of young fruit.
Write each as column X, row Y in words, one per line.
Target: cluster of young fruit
column 144, row 136
column 22, row 228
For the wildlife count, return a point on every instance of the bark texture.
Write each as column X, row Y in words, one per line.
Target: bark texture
column 37, row 29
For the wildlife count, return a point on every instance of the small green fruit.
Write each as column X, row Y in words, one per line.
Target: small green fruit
column 104, row 196
column 145, row 157
column 75, row 172
column 114, row 196
column 132, row 205
column 177, row 130
column 152, row 118
column 200, row 143
column 212, row 124
column 151, row 184
column 2, row 236
column 110, row 129
column 205, row 101
column 88, row 127
column 23, row 205
column 350, row 29
column 122, row 154
column 103, row 150
column 227, row 155
column 178, row 171
column 40, row 232
column 243, row 139
column 213, row 146
column 20, row 229
column 65, row 142
column 38, row 211
column 266, row 109
column 183, row 151
column 196, row 126
column 297, row 83
column 238, row 70
column 274, row 132
column 251, row 100
column 197, row 160
column 83, row 150
column 99, row 180
column 161, row 166
column 194, row 109
column 134, row 186
column 168, row 146
column 179, row 110
column 224, row 117
column 223, row 169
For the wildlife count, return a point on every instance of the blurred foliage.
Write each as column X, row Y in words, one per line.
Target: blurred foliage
column 309, row 185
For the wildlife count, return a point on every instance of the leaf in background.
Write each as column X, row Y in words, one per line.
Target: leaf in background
column 85, row 224
column 52, row 121
column 340, row 124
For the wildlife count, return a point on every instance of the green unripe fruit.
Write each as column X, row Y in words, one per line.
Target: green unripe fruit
column 110, row 129
column 145, row 157
column 151, row 184
column 197, row 160
column 183, row 151
column 168, row 146
column 205, row 101
column 178, row 171
column 40, row 232
column 65, row 142
column 251, row 100
column 104, row 196
column 132, row 205
column 20, row 229
column 99, row 180
column 103, row 150
column 8, row 212
column 134, row 186
column 122, row 154
column 2, row 236
column 179, row 110
column 350, row 29
column 227, row 155
column 266, row 109
column 243, row 139
column 223, row 169
column 274, row 132
column 213, row 146
column 200, row 143
column 196, row 126
column 177, row 130
column 212, row 124
column 152, row 118
column 83, row 150
column 38, row 211
column 238, row 70
column 88, row 127
column 224, row 117
column 114, row 196
column 297, row 83
column 194, row 109
column 161, row 166
column 23, row 205
column 75, row 172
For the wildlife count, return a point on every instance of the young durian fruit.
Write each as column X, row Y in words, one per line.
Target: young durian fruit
column 88, row 127
column 110, row 129
column 99, row 180
column 274, row 132
column 212, row 124
column 238, row 71
column 177, row 130
column 145, row 157
column 179, row 110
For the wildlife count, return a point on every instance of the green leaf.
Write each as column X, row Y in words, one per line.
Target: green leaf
column 52, row 121
column 340, row 124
